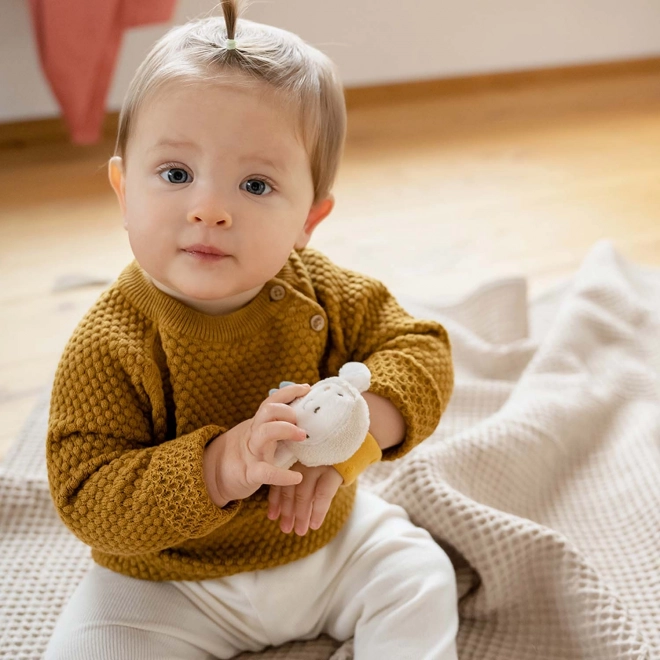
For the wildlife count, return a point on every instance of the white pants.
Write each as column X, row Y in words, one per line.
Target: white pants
column 382, row 579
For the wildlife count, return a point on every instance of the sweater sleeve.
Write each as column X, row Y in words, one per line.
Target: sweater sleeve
column 410, row 359
column 410, row 363
column 112, row 485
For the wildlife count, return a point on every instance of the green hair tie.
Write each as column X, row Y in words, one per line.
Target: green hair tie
column 231, row 44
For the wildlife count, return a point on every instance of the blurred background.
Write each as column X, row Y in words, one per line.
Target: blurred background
column 486, row 140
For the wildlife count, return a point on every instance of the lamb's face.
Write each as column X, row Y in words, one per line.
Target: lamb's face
column 327, row 406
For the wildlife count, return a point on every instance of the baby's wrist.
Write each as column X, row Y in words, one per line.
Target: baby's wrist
column 387, row 422
column 211, row 460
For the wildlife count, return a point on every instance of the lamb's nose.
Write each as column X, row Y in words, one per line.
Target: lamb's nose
column 317, row 409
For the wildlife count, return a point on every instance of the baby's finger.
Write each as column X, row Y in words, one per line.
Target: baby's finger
column 272, row 432
column 284, row 383
column 289, row 393
column 326, row 489
column 319, row 511
column 303, row 499
column 274, row 412
column 303, row 513
column 265, row 473
column 274, row 502
column 287, row 508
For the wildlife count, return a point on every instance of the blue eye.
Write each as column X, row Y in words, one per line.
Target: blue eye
column 256, row 187
column 175, row 175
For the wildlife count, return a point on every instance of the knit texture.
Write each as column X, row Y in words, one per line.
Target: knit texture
column 145, row 383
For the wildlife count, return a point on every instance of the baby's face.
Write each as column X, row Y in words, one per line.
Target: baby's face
column 216, row 191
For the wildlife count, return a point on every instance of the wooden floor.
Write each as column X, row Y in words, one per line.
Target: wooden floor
column 437, row 194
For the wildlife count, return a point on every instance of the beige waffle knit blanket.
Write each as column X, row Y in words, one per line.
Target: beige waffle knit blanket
column 542, row 481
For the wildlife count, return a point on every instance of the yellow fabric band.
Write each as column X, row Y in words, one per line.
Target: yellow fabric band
column 368, row 453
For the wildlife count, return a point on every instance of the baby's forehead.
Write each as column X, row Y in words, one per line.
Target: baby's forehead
column 256, row 112
column 221, row 80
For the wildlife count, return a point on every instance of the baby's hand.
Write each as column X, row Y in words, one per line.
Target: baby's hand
column 305, row 505
column 240, row 461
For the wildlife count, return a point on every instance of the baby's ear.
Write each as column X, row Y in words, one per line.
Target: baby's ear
column 118, row 182
column 317, row 214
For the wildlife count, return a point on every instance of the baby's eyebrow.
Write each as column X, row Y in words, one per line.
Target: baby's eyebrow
column 259, row 158
column 175, row 143
column 280, row 166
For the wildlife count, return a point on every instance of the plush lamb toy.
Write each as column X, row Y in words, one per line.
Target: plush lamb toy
column 335, row 417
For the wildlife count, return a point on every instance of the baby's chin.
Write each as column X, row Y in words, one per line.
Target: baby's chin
column 189, row 293
column 213, row 301
column 205, row 295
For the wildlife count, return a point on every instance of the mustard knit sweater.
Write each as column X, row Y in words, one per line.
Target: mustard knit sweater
column 145, row 383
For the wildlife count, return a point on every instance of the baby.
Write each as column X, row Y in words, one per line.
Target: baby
column 162, row 435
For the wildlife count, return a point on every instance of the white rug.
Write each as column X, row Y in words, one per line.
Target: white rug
column 542, row 481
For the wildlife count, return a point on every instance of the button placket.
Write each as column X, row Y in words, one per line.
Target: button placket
column 277, row 292
column 317, row 323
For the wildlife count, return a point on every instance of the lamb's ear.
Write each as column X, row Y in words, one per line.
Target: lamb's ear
column 357, row 374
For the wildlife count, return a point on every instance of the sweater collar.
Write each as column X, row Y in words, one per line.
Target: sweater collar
column 167, row 312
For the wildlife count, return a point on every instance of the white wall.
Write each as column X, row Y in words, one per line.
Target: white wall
column 372, row 43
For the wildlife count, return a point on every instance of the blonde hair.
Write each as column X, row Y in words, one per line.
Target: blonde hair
column 303, row 77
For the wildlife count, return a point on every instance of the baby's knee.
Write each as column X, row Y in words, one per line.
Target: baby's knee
column 413, row 610
column 111, row 641
column 69, row 646
column 98, row 641
column 429, row 576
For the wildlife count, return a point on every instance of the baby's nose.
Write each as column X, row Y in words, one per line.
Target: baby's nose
column 210, row 220
column 211, row 214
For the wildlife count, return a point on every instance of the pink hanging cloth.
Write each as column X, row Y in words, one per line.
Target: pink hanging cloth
column 78, row 43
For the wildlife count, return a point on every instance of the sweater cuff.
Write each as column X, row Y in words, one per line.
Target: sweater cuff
column 179, row 488
column 368, row 453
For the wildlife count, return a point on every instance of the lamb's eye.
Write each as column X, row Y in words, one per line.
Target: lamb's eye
column 317, row 409
column 339, row 394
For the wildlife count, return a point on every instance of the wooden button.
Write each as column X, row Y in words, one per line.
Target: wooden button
column 317, row 322
column 277, row 292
